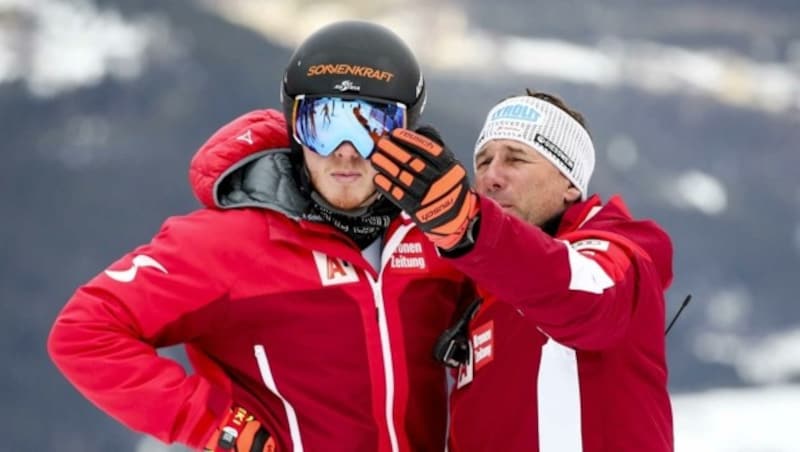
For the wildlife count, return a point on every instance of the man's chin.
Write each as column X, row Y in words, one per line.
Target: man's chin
column 351, row 202
column 511, row 210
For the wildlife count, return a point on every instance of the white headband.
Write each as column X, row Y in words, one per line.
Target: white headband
column 547, row 129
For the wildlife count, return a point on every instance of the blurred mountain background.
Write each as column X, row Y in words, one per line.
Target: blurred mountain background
column 694, row 107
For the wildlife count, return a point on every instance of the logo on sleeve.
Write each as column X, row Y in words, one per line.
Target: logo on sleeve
column 591, row 244
column 140, row 261
column 246, row 137
column 333, row 271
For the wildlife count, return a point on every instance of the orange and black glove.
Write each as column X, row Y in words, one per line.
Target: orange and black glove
column 240, row 432
column 421, row 176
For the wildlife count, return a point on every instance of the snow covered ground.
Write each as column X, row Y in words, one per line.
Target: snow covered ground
column 738, row 420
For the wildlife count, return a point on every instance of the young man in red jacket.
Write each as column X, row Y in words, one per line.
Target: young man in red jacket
column 566, row 352
column 308, row 306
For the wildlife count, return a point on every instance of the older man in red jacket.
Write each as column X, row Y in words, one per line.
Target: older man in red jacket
column 566, row 352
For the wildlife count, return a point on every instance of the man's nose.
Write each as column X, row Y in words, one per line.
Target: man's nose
column 491, row 178
column 346, row 150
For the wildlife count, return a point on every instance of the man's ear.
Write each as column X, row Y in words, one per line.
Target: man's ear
column 572, row 195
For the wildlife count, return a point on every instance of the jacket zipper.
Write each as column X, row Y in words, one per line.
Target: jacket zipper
column 383, row 329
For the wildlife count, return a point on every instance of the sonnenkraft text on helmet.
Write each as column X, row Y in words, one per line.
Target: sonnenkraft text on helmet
column 349, row 69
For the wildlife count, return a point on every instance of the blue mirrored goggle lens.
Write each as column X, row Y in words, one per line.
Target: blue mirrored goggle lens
column 324, row 123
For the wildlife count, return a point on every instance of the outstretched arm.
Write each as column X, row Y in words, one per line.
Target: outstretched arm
column 580, row 289
column 580, row 296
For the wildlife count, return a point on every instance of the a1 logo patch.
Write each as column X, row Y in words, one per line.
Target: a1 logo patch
column 333, row 271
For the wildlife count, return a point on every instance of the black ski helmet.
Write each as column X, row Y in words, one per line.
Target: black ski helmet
column 355, row 58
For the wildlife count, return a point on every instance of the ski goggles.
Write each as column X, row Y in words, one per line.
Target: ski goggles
column 323, row 123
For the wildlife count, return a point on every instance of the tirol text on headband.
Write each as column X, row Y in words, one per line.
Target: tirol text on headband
column 323, row 123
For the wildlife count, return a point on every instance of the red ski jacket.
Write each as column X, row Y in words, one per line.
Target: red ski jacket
column 279, row 315
column 567, row 350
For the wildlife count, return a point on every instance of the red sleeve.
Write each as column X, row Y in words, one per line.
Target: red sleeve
column 581, row 294
column 105, row 339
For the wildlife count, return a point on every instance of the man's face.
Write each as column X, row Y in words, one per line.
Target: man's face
column 343, row 178
column 522, row 181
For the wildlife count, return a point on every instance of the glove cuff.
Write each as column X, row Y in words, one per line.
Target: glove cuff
column 467, row 241
column 238, row 422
